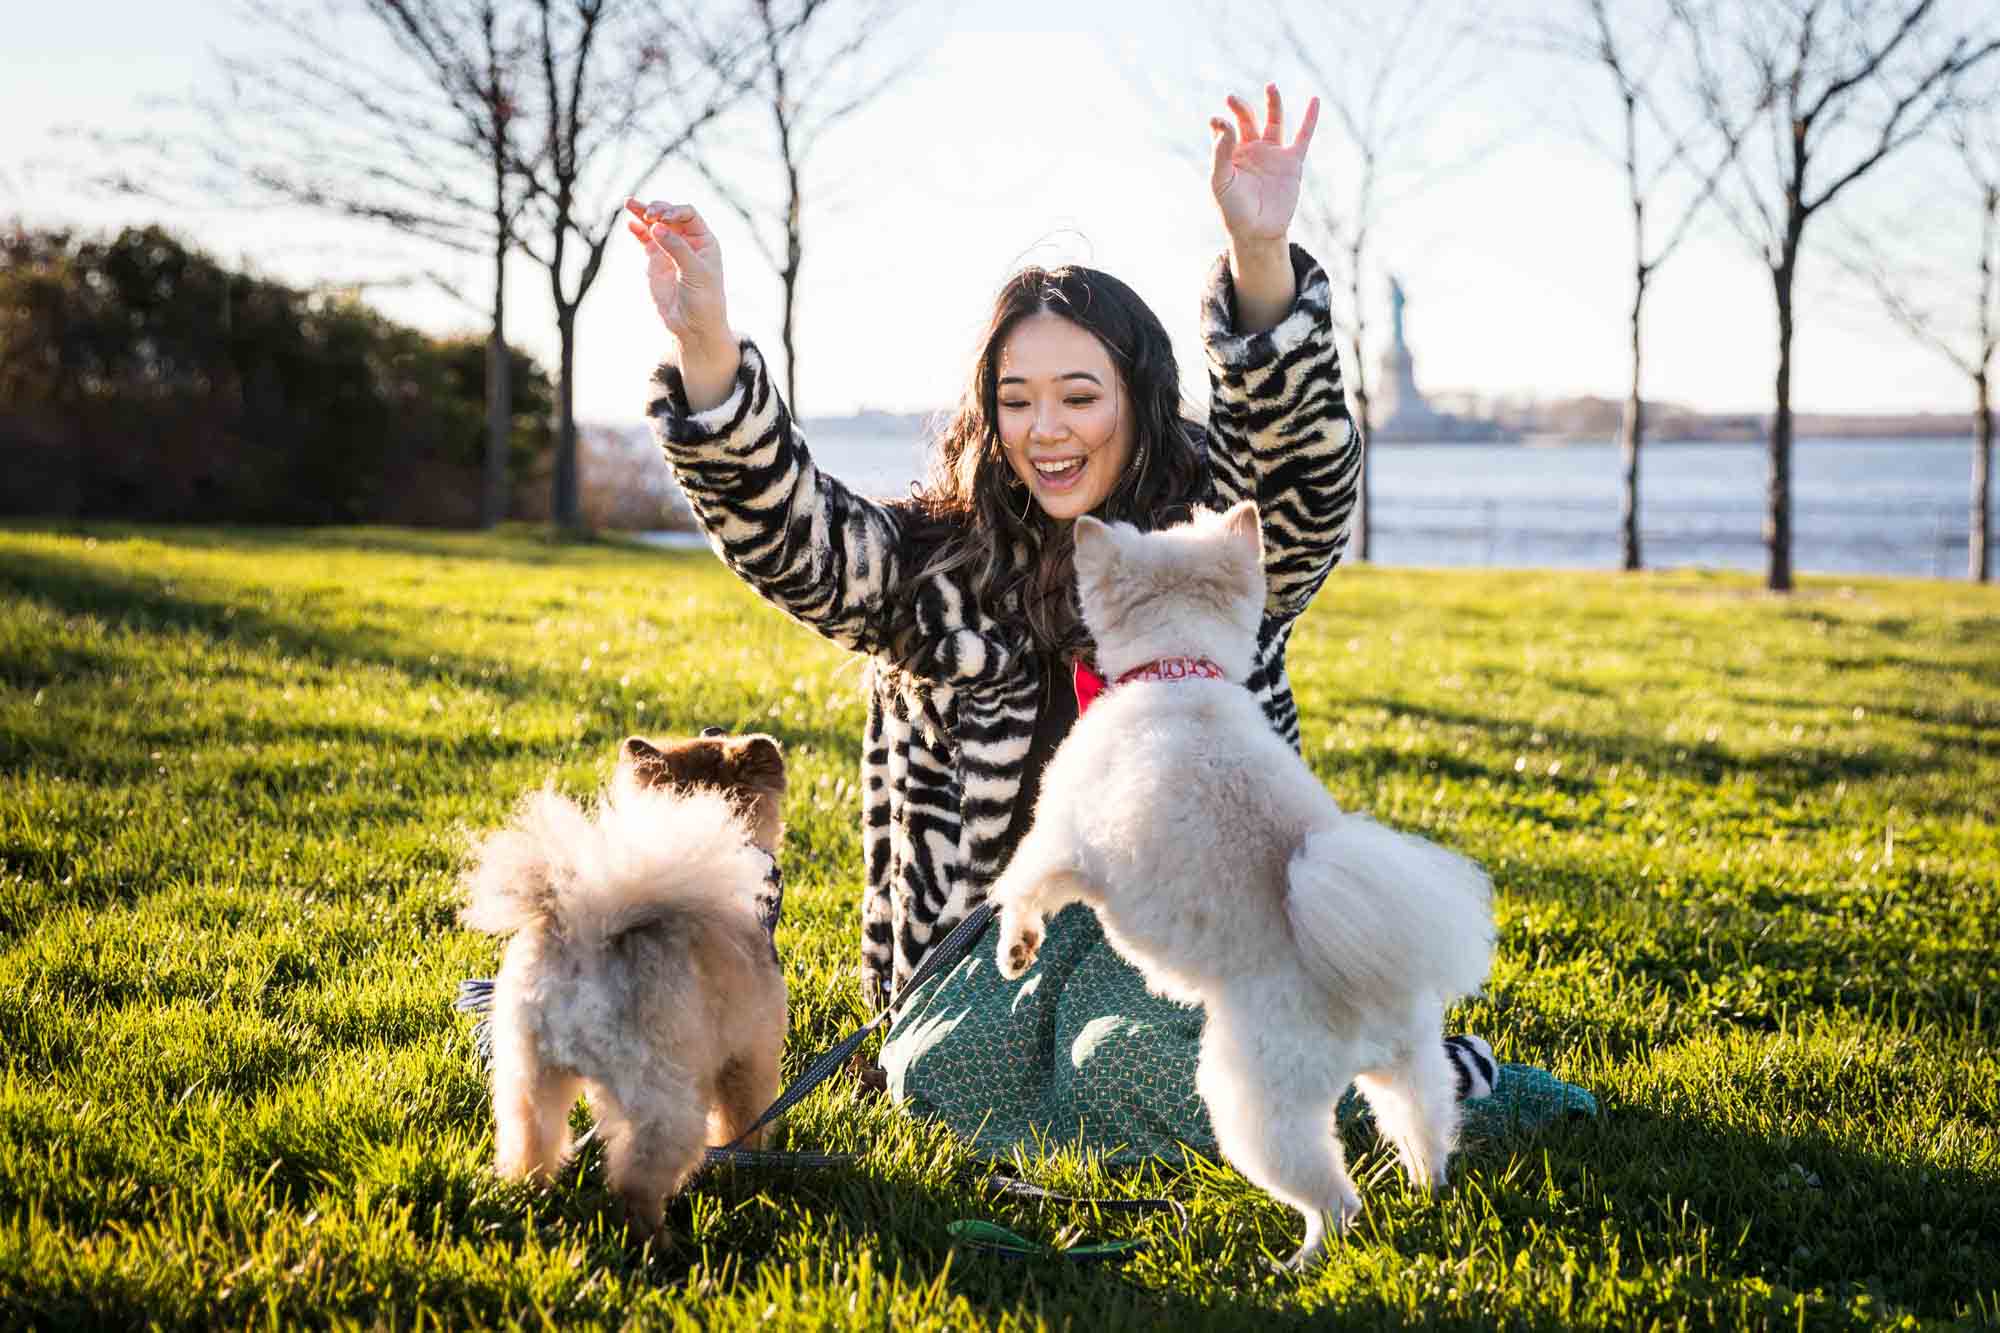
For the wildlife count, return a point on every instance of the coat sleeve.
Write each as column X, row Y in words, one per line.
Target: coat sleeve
column 824, row 555
column 1279, row 432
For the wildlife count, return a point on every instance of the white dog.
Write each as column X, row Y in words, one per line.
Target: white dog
column 1323, row 945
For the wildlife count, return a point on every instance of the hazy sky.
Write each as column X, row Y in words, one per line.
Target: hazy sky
column 1023, row 135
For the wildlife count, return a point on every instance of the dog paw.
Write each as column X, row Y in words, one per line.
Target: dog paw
column 644, row 1219
column 1017, row 951
column 1329, row 1225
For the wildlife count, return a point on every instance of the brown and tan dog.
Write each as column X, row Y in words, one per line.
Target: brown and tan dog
column 638, row 972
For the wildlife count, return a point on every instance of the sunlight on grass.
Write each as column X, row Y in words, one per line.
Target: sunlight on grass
column 1749, row 894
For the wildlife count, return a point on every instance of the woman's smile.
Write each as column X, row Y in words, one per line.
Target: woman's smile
column 1057, row 475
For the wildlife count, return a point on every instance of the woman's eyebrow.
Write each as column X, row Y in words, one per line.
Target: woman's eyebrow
column 1068, row 375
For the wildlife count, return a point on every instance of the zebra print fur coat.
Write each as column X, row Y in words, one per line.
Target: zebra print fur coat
column 948, row 736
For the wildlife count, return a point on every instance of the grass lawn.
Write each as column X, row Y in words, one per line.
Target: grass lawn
column 1749, row 894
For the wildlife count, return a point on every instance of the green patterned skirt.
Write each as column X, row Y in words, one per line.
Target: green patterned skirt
column 1078, row 1052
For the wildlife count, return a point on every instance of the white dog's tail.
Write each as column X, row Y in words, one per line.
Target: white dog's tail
column 593, row 875
column 1378, row 912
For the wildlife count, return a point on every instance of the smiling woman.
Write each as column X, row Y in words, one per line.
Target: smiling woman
column 1068, row 433
column 1072, row 407
column 963, row 597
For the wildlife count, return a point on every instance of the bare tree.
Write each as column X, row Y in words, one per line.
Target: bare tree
column 475, row 67
column 502, row 126
column 1386, row 74
column 1656, row 148
column 414, row 136
column 811, row 78
column 1838, row 87
column 1967, row 343
column 620, row 88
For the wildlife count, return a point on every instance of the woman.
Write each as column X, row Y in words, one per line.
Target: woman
column 962, row 598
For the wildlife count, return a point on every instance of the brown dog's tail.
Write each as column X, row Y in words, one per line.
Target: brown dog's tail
column 518, row 875
column 592, row 875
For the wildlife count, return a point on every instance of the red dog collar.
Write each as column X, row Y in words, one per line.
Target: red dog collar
column 1089, row 685
column 1174, row 668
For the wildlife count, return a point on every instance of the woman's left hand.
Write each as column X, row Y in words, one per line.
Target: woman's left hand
column 1256, row 173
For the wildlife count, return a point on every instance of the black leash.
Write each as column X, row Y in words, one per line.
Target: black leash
column 948, row 954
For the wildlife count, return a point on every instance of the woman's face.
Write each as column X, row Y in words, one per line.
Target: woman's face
column 1064, row 416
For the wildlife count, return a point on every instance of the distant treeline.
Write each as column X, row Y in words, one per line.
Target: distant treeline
column 140, row 379
column 1588, row 418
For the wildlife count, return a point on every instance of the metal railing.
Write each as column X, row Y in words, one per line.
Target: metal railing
column 1895, row 537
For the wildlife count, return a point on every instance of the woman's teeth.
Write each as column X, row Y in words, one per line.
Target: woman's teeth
column 1061, row 468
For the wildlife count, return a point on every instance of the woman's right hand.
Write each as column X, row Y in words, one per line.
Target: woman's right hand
column 684, row 272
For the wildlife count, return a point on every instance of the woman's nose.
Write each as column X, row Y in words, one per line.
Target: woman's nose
column 1047, row 428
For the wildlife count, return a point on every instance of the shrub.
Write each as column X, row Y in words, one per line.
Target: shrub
column 141, row 379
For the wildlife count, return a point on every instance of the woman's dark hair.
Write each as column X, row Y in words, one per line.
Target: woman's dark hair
column 981, row 514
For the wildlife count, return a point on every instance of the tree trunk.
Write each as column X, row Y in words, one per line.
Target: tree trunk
column 1361, row 535
column 1634, row 435
column 1980, row 563
column 499, row 397
column 794, row 261
column 568, row 509
column 1778, row 488
column 790, row 279
column 1362, row 529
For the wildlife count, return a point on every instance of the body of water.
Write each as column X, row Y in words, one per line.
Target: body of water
column 1858, row 506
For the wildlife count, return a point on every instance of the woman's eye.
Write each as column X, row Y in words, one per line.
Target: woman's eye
column 1081, row 400
column 1013, row 407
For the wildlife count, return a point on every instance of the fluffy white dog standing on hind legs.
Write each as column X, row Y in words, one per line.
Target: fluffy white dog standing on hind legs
column 1323, row 945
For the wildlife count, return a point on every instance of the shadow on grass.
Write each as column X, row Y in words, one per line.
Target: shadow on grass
column 1800, row 1212
column 1948, row 671
column 1695, row 1214
column 907, row 1226
column 1696, row 761
column 70, row 588
column 75, row 587
column 1741, row 955
column 515, row 543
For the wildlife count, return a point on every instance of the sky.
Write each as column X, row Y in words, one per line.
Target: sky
column 1021, row 134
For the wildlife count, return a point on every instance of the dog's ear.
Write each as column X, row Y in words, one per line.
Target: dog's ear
column 1244, row 529
column 677, row 764
column 1096, row 545
column 645, row 760
column 760, row 762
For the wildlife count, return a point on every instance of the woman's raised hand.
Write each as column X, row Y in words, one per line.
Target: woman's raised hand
column 684, row 271
column 1256, row 173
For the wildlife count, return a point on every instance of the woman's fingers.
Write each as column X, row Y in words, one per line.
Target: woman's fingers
column 674, row 231
column 1305, row 134
column 1273, row 131
column 676, row 246
column 658, row 210
column 681, row 217
column 645, row 237
column 1220, row 169
column 1246, row 124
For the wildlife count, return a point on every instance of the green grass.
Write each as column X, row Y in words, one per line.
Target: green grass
column 1749, row 881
